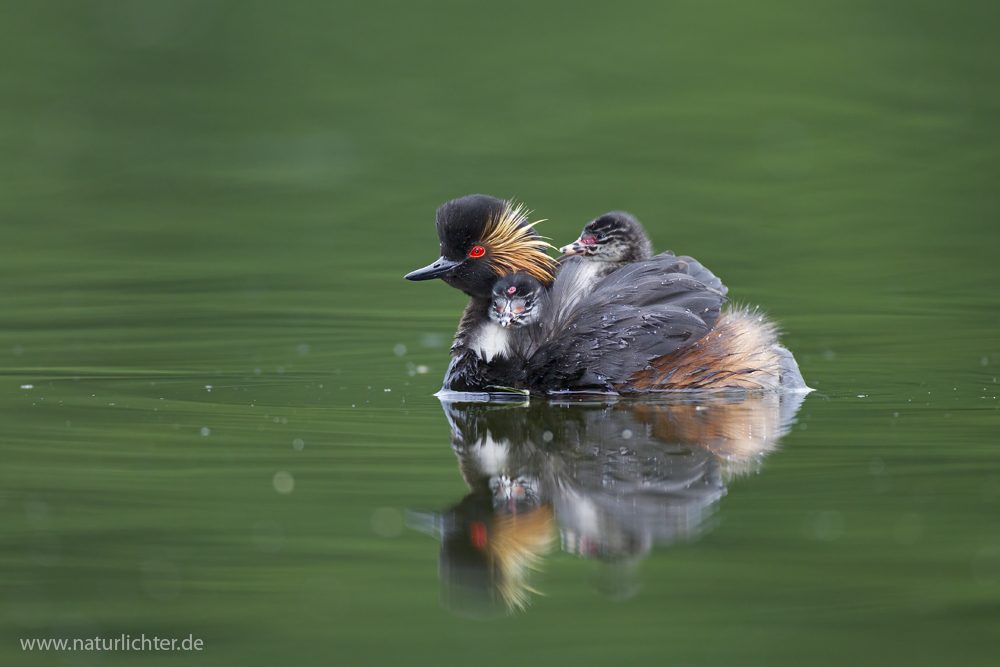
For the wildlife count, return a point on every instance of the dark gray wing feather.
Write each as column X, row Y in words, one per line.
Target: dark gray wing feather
column 693, row 268
column 609, row 344
column 641, row 311
column 664, row 279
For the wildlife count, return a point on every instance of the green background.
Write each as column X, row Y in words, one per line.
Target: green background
column 225, row 193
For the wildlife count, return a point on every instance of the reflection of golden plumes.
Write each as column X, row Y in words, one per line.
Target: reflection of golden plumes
column 738, row 431
column 515, row 248
column 739, row 353
column 516, row 547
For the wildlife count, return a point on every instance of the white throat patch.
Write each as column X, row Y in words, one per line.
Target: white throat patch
column 491, row 340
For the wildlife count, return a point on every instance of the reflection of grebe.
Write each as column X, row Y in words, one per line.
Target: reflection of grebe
column 651, row 325
column 615, row 479
column 487, row 555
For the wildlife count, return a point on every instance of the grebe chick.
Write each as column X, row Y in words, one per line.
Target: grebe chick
column 615, row 238
column 516, row 301
column 605, row 245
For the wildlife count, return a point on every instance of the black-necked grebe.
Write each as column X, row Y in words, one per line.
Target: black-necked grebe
column 651, row 325
column 483, row 238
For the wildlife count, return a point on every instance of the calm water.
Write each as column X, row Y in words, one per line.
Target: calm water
column 217, row 390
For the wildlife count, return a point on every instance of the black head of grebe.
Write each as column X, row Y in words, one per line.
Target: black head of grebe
column 516, row 300
column 483, row 238
column 615, row 237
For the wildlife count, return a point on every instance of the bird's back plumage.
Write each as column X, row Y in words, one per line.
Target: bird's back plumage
column 643, row 310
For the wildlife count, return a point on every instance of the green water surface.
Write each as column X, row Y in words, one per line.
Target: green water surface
column 216, row 389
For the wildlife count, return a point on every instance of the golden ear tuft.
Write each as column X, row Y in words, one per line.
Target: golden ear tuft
column 516, row 248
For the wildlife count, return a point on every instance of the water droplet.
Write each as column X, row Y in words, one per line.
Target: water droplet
column 205, row 430
column 298, row 444
column 283, row 482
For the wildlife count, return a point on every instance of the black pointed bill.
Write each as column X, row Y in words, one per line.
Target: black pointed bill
column 438, row 269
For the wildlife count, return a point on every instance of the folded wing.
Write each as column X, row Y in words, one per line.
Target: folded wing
column 641, row 311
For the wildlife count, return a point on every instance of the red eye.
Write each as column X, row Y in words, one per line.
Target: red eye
column 589, row 240
column 478, row 251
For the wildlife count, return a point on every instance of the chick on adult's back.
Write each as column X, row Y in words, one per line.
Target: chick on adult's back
column 605, row 245
column 615, row 240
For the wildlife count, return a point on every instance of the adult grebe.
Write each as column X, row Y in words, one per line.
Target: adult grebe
column 649, row 326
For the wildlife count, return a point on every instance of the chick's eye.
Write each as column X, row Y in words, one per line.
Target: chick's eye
column 478, row 251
